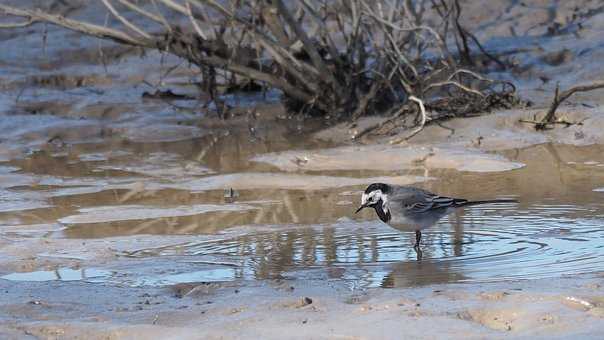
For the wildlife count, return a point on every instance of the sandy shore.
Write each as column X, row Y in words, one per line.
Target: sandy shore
column 562, row 308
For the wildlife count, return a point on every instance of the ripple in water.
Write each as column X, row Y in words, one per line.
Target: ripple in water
column 488, row 243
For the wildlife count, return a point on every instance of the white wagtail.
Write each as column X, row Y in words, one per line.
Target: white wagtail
column 412, row 209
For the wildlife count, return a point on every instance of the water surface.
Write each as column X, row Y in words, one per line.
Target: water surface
column 263, row 231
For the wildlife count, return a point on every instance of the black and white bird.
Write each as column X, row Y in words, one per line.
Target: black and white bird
column 412, row 209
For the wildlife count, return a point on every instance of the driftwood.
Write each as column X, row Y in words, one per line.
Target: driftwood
column 339, row 58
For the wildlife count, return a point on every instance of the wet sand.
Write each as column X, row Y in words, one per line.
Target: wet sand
column 563, row 308
column 122, row 217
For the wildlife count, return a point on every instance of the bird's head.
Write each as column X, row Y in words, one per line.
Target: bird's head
column 375, row 195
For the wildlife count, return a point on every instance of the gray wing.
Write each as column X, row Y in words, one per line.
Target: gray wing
column 415, row 200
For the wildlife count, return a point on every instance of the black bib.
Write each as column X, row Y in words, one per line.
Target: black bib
column 384, row 216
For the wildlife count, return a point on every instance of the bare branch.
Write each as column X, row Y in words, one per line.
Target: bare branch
column 308, row 45
column 374, row 60
column 453, row 83
column 550, row 117
column 141, row 11
column 389, row 120
column 125, row 21
column 174, row 6
column 439, row 39
column 365, row 100
column 422, row 123
column 194, row 22
column 19, row 24
column 333, row 50
column 78, row 26
column 301, row 78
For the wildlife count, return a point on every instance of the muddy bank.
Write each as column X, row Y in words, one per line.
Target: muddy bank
column 477, row 144
column 502, row 130
column 389, row 158
column 565, row 308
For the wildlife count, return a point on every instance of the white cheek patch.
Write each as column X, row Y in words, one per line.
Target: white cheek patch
column 364, row 198
column 385, row 203
column 375, row 196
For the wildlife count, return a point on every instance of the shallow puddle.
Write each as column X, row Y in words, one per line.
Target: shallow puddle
column 256, row 222
column 61, row 274
column 480, row 244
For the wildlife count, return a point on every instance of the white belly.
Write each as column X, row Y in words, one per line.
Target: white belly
column 408, row 226
column 414, row 222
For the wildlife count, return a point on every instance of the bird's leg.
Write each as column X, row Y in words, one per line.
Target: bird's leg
column 418, row 238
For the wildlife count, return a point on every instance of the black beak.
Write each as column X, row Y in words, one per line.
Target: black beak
column 361, row 208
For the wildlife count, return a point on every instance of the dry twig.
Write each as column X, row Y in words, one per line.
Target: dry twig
column 420, row 126
column 550, row 116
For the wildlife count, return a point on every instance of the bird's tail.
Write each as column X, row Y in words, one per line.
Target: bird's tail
column 470, row 203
